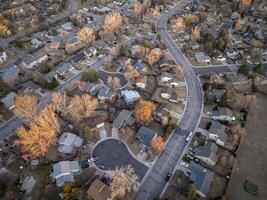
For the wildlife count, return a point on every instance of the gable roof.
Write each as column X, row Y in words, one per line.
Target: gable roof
column 67, row 141
column 99, row 191
column 145, row 135
column 8, row 100
column 208, row 150
column 201, row 177
column 122, row 117
column 31, row 85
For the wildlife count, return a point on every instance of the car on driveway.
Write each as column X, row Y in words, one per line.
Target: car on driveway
column 183, row 164
column 169, row 175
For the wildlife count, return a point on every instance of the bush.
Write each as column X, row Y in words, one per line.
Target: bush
column 259, row 69
column 89, row 76
column 52, row 85
column 243, row 69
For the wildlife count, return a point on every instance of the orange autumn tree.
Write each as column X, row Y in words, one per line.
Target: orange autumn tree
column 144, row 111
column 158, row 144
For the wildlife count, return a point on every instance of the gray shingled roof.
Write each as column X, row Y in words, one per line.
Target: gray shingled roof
column 145, row 135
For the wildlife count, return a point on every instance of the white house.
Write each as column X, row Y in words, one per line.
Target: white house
column 202, row 57
column 68, row 141
column 3, row 57
column 31, row 62
column 63, row 172
column 141, row 82
column 130, row 96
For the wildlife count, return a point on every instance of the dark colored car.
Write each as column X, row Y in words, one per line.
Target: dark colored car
column 169, row 175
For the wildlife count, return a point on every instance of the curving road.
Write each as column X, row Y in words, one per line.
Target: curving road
column 154, row 182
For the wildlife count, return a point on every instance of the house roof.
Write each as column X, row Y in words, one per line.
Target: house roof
column 65, row 167
column 222, row 111
column 218, row 129
column 91, row 88
column 93, row 121
column 139, row 66
column 63, row 68
column 8, row 100
column 106, row 93
column 162, row 110
column 99, row 191
column 78, row 57
column 130, row 95
column 142, row 79
column 201, row 177
column 50, row 76
column 162, row 62
column 122, row 117
column 67, row 141
column 209, row 150
column 145, row 135
column 10, row 72
column 31, row 85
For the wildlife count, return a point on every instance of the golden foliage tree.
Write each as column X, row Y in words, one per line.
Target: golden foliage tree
column 123, row 182
column 144, row 111
column 86, row 35
column 41, row 134
column 191, row 18
column 158, row 144
column 179, row 24
column 26, row 107
column 60, row 100
column 154, row 56
column 112, row 22
column 195, row 32
column 246, row 3
column 239, row 23
column 70, row 192
column 130, row 72
column 82, row 106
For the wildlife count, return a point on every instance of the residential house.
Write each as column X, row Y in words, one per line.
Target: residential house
column 8, row 100
column 67, row 26
column 146, row 135
column 141, row 82
column 99, row 191
column 34, row 60
column 216, row 78
column 64, row 68
column 202, row 57
column 96, row 122
column 76, row 59
column 63, row 172
column 162, row 114
column 201, row 177
column 162, row 63
column 207, row 153
column 130, row 96
column 217, row 133
column 106, row 94
column 10, row 74
column 67, row 141
column 165, row 93
column 222, row 114
column 36, row 43
column 170, row 80
column 3, row 57
column 231, row 53
column 139, row 66
column 166, row 77
column 31, row 87
column 55, row 43
column 50, row 76
column 124, row 118
column 221, row 58
column 91, row 51
column 91, row 88
column 215, row 95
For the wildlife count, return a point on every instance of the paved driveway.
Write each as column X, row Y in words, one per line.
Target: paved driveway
column 113, row 153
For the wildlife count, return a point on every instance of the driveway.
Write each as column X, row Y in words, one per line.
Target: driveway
column 114, row 154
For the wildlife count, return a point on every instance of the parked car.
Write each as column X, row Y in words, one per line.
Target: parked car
column 169, row 175
column 183, row 164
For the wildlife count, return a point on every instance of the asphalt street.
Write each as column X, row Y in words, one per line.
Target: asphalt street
column 114, row 154
column 154, row 182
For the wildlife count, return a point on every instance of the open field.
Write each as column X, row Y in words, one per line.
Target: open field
column 251, row 162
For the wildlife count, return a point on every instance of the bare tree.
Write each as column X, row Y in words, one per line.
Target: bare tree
column 26, row 107
column 179, row 24
column 154, row 56
column 113, row 82
column 123, row 182
column 82, row 106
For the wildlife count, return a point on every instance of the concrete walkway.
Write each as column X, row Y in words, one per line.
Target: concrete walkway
column 115, row 133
